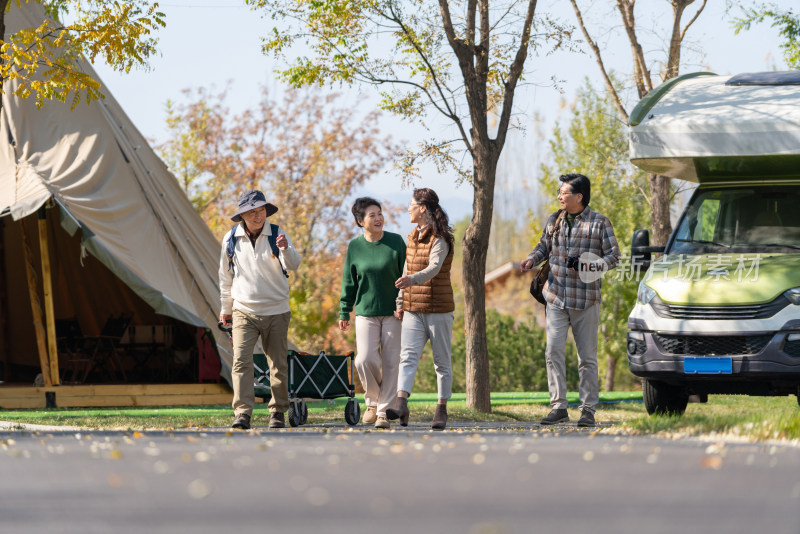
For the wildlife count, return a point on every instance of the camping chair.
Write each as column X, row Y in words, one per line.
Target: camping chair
column 69, row 343
column 103, row 350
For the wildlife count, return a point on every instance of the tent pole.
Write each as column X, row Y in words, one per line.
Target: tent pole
column 36, row 308
column 47, row 283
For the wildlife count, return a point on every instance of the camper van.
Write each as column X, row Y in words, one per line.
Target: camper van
column 719, row 311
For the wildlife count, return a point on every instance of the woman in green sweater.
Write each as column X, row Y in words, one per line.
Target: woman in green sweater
column 374, row 261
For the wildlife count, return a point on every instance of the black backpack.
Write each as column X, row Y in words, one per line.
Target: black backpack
column 271, row 239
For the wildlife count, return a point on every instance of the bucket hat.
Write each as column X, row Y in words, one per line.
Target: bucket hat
column 250, row 200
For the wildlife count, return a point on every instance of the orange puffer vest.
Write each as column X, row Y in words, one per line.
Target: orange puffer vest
column 435, row 295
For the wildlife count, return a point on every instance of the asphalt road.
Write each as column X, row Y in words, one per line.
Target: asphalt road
column 479, row 479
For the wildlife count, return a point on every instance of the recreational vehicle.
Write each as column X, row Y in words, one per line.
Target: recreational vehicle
column 719, row 311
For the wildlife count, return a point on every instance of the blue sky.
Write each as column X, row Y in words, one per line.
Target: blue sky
column 216, row 42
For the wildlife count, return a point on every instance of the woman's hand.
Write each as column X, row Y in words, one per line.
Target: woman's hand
column 398, row 314
column 344, row 325
column 525, row 265
column 402, row 282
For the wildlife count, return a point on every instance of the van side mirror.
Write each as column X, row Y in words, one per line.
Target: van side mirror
column 641, row 250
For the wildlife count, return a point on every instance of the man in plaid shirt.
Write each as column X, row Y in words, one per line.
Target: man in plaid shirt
column 581, row 246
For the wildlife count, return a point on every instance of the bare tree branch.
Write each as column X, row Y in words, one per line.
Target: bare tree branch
column 450, row 113
column 471, row 6
column 599, row 59
column 513, row 75
column 641, row 75
column 686, row 28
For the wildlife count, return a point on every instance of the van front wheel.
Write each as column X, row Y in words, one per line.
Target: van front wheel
column 663, row 399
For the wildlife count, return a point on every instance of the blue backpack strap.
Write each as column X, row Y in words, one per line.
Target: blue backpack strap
column 230, row 249
column 273, row 244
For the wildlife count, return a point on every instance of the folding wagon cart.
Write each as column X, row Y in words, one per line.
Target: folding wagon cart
column 321, row 376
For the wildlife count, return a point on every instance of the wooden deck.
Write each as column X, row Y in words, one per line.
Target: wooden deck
column 125, row 395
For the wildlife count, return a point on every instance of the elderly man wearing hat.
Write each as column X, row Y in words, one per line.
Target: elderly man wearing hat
column 254, row 293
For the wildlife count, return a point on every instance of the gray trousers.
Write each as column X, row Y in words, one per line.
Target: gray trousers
column 418, row 328
column 584, row 329
column 273, row 331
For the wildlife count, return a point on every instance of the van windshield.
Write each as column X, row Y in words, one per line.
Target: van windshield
column 746, row 219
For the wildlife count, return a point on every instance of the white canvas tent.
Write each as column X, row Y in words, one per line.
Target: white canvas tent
column 122, row 235
column 704, row 126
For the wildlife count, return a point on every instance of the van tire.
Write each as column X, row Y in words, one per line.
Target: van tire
column 663, row 399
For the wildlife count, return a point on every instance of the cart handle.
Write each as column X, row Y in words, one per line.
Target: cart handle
column 227, row 329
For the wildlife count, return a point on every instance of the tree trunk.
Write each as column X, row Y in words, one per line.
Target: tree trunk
column 476, row 243
column 611, row 373
column 659, row 205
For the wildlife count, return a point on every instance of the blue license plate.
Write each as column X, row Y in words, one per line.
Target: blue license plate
column 707, row 366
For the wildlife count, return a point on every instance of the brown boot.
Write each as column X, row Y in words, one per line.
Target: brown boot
column 439, row 417
column 398, row 410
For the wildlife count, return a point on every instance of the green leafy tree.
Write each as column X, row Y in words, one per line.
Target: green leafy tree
column 190, row 128
column 461, row 60
column 308, row 153
column 595, row 144
column 787, row 21
column 40, row 61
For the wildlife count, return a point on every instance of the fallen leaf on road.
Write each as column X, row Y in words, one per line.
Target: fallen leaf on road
column 711, row 462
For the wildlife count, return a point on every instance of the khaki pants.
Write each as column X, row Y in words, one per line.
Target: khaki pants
column 273, row 331
column 584, row 330
column 377, row 358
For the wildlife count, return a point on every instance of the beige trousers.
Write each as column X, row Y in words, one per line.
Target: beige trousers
column 273, row 331
column 377, row 358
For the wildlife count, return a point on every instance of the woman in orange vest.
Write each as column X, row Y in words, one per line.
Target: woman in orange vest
column 425, row 304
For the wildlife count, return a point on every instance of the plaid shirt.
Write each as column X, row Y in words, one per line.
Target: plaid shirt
column 591, row 232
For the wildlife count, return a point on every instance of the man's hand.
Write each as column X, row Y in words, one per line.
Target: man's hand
column 282, row 242
column 226, row 319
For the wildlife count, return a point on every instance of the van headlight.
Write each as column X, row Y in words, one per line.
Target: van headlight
column 793, row 295
column 645, row 294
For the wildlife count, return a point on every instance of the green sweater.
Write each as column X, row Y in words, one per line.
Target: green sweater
column 370, row 271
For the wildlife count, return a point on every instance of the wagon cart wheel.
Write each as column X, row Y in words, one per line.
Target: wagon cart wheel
column 295, row 417
column 304, row 407
column 352, row 412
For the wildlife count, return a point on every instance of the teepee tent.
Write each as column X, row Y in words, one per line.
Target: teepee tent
column 118, row 234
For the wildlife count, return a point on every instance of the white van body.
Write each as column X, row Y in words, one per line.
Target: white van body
column 719, row 312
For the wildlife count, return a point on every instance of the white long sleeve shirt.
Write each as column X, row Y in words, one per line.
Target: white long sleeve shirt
column 256, row 284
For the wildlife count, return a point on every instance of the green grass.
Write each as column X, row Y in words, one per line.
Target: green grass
column 752, row 418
